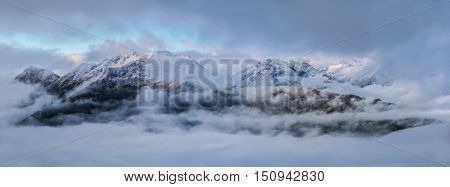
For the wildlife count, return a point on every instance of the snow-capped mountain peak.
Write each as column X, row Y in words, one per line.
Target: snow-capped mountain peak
column 34, row 75
column 123, row 60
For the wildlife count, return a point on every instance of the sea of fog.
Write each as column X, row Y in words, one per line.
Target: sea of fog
column 241, row 138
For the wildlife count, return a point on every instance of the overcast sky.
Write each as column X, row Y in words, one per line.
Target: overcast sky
column 58, row 34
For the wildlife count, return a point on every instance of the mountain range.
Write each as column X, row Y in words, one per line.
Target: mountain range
column 271, row 86
column 276, row 72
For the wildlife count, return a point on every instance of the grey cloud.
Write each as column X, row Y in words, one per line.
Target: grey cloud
column 203, row 147
column 145, row 43
column 288, row 26
column 15, row 59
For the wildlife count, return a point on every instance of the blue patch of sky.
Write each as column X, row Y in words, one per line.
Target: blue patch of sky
column 177, row 37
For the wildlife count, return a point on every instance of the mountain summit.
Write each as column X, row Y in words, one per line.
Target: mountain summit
column 33, row 75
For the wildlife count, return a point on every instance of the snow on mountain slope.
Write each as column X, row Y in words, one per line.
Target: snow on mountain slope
column 121, row 76
column 277, row 72
column 357, row 72
column 33, row 75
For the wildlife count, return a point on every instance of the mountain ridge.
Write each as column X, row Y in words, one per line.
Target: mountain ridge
column 114, row 90
column 278, row 72
column 123, row 78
